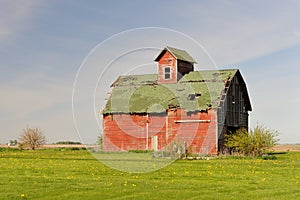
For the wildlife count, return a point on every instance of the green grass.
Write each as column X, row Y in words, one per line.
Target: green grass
column 75, row 174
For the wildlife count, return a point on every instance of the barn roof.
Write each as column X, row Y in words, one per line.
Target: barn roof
column 177, row 53
column 195, row 91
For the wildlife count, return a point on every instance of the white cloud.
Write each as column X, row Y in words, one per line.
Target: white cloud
column 233, row 32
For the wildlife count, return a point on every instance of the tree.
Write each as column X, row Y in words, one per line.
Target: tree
column 12, row 142
column 252, row 143
column 32, row 138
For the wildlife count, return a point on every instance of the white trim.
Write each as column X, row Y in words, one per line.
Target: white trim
column 154, row 143
column 164, row 72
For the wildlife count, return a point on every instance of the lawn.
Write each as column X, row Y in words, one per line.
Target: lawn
column 76, row 174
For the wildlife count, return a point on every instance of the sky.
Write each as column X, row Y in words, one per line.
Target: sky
column 58, row 58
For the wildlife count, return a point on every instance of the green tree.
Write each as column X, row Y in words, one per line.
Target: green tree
column 32, row 138
column 252, row 143
column 12, row 142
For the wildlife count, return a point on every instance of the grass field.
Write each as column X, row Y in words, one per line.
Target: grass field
column 76, row 174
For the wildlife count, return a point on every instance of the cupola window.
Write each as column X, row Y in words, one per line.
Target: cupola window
column 167, row 72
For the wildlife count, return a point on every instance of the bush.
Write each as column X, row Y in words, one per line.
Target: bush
column 251, row 143
column 174, row 150
column 9, row 149
column 67, row 142
column 140, row 151
column 32, row 138
column 269, row 157
column 69, row 149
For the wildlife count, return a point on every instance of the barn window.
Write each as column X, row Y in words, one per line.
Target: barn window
column 167, row 72
column 194, row 96
column 191, row 97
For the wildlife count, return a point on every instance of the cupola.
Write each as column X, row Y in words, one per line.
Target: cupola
column 173, row 64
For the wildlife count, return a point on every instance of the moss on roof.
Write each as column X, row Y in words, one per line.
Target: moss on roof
column 181, row 54
column 178, row 53
column 196, row 91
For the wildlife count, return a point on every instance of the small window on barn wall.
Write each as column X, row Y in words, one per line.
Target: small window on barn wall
column 167, row 72
column 194, row 96
column 191, row 97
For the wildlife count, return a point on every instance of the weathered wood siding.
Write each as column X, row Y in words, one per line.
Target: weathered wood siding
column 236, row 113
column 200, row 137
column 167, row 60
column 183, row 68
column 233, row 111
column 129, row 131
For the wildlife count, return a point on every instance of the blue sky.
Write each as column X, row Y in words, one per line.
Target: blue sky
column 43, row 44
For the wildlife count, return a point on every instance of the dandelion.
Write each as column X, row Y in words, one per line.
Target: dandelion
column 133, row 185
column 22, row 195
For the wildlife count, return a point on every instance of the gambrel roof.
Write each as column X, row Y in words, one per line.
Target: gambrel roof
column 195, row 91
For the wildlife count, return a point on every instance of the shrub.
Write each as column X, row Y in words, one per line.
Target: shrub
column 12, row 142
column 32, row 138
column 140, row 151
column 269, row 157
column 251, row 143
column 8, row 149
column 174, row 150
column 67, row 142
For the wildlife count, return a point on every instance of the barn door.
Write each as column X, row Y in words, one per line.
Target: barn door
column 154, row 142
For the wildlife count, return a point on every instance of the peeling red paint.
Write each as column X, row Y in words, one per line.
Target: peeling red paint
column 129, row 131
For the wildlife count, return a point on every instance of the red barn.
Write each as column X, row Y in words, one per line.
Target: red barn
column 177, row 104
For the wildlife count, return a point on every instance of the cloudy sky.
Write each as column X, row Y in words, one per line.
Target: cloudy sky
column 47, row 47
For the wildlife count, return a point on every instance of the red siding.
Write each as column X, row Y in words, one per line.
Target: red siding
column 200, row 137
column 125, row 131
column 167, row 60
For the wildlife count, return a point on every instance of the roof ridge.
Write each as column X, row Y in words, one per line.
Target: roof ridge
column 177, row 53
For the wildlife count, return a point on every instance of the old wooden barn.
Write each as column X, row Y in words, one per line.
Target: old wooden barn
column 177, row 104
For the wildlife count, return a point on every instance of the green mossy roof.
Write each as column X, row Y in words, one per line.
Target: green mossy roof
column 181, row 54
column 142, row 94
column 178, row 53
